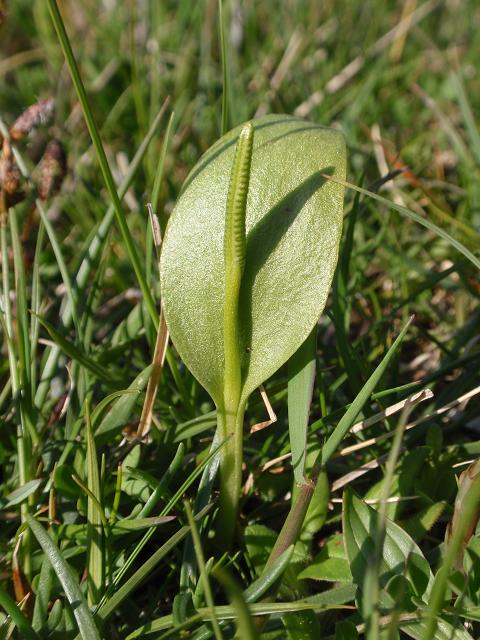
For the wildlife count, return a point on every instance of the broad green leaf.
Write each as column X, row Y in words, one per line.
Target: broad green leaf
column 83, row 616
column 293, row 225
column 301, row 376
column 401, row 556
column 445, row 630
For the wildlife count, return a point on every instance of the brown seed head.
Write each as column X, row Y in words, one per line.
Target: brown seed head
column 11, row 191
column 51, row 170
column 10, row 176
column 37, row 114
column 3, row 12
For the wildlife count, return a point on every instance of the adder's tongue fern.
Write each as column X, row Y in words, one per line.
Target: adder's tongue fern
column 234, row 252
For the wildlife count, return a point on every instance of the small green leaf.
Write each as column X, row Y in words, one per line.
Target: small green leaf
column 303, row 625
column 328, row 570
column 22, row 493
column 293, row 225
column 331, row 564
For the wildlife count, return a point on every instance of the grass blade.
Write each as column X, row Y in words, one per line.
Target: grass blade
column 416, row 218
column 83, row 616
column 95, row 555
column 467, row 114
column 345, row 424
column 18, row 618
column 102, row 158
column 75, row 353
column 243, row 619
column 197, row 544
column 223, row 48
column 90, row 258
column 110, row 605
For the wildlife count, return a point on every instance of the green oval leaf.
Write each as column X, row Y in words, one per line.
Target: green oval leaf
column 401, row 556
column 293, row 226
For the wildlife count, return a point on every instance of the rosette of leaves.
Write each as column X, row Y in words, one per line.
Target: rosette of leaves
column 247, row 262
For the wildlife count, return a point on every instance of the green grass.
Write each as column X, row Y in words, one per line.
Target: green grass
column 97, row 537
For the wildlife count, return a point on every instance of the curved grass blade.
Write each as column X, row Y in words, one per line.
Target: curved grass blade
column 18, row 618
column 77, row 354
column 95, row 516
column 346, row 423
column 102, row 158
column 106, row 609
column 259, row 587
column 207, row 589
column 83, row 616
column 243, row 619
column 415, row 217
column 151, row 631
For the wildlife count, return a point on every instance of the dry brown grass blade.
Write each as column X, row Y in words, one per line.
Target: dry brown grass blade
column 272, row 416
column 357, row 473
column 416, row 398
column 152, row 387
column 21, row 586
column 160, row 348
column 446, row 408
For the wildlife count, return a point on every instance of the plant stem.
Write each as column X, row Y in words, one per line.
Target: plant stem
column 230, row 472
column 296, row 516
